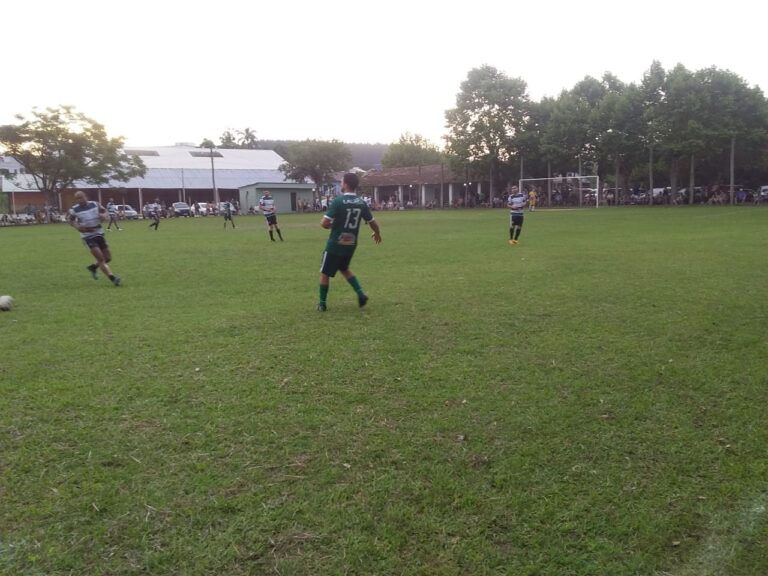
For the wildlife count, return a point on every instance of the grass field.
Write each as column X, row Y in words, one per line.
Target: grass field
column 593, row 401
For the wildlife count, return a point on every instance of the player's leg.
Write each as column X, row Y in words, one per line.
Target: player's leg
column 328, row 268
column 269, row 227
column 362, row 299
column 280, row 234
column 100, row 251
column 511, row 230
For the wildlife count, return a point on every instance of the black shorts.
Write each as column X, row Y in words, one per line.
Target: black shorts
column 96, row 242
column 515, row 220
column 271, row 219
column 333, row 263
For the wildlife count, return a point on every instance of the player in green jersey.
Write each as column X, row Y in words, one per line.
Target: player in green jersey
column 343, row 220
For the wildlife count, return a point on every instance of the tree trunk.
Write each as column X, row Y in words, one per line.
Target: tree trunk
column 549, row 183
column 690, row 186
column 616, row 183
column 650, row 171
column 674, row 167
column 733, row 163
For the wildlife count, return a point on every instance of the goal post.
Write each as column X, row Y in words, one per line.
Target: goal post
column 564, row 191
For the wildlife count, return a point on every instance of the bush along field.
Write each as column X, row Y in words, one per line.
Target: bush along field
column 590, row 401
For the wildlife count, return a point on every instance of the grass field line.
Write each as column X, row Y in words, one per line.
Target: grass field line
column 711, row 559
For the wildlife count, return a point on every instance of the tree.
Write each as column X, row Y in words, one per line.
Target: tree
column 228, row 141
column 491, row 110
column 59, row 147
column 248, row 139
column 411, row 150
column 315, row 159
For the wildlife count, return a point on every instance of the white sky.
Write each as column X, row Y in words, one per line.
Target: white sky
column 170, row 71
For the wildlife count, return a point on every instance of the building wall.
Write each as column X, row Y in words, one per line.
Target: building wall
column 250, row 195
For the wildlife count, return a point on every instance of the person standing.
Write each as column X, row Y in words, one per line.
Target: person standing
column 227, row 209
column 532, row 201
column 267, row 207
column 153, row 210
column 343, row 219
column 112, row 210
column 516, row 202
column 86, row 216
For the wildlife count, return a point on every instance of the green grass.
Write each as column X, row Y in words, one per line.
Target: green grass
column 592, row 401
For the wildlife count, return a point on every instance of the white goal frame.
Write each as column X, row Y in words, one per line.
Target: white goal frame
column 561, row 179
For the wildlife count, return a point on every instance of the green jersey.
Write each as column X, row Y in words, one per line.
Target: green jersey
column 346, row 212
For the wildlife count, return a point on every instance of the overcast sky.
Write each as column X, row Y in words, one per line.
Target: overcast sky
column 170, row 71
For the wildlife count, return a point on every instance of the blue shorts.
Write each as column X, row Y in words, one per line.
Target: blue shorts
column 96, row 242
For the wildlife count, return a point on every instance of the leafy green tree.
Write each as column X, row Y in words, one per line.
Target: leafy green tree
column 620, row 128
column 411, row 150
column 682, row 113
column 59, row 147
column 315, row 159
column 228, row 141
column 655, row 130
column 491, row 112
column 735, row 117
column 247, row 139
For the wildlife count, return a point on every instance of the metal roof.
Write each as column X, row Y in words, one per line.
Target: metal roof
column 192, row 157
column 174, row 167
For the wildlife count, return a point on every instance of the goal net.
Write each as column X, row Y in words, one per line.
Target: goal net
column 564, row 191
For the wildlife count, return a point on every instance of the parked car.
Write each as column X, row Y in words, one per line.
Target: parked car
column 180, row 209
column 126, row 211
column 762, row 194
column 204, row 208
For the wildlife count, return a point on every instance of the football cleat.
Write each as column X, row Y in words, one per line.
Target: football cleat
column 116, row 280
column 92, row 269
column 362, row 300
column 322, row 307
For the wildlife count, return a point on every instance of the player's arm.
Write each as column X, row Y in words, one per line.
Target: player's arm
column 328, row 217
column 376, row 231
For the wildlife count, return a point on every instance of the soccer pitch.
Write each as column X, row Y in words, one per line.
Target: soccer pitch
column 592, row 400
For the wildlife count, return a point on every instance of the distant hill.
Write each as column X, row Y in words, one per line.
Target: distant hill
column 365, row 156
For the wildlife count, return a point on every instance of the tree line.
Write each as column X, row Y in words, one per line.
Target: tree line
column 675, row 126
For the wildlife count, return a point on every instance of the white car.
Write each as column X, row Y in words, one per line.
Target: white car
column 126, row 211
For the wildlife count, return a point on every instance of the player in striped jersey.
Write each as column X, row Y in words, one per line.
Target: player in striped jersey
column 516, row 202
column 86, row 217
column 267, row 207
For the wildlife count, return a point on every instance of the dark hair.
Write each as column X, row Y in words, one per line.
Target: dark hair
column 351, row 180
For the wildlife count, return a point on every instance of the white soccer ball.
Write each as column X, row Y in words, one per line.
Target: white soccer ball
column 6, row 302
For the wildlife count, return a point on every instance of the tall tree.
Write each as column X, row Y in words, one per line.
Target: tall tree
column 228, row 141
column 248, row 139
column 491, row 111
column 411, row 150
column 682, row 113
column 59, row 147
column 735, row 118
column 315, row 159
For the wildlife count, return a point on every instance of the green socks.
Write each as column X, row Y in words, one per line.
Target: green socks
column 355, row 284
column 323, row 293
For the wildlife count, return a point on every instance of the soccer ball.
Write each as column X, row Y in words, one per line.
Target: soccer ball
column 6, row 302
